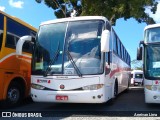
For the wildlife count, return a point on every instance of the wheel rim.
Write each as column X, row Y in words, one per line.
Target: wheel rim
column 13, row 95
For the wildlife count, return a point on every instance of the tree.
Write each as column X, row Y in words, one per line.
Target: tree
column 112, row 9
column 63, row 8
column 137, row 64
column 115, row 9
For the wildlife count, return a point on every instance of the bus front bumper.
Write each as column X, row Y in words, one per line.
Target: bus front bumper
column 152, row 96
column 94, row 96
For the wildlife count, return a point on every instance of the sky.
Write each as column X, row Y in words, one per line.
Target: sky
column 130, row 32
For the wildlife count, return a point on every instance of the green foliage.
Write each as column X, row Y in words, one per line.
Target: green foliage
column 62, row 8
column 112, row 9
column 115, row 9
column 137, row 64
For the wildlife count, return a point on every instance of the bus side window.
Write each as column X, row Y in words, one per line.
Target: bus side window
column 119, row 47
column 1, row 30
column 115, row 49
column 109, row 57
column 13, row 35
column 11, row 41
column 27, row 47
column 122, row 51
column 1, row 39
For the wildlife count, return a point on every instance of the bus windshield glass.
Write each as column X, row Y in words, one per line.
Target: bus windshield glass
column 68, row 48
column 152, row 35
column 152, row 61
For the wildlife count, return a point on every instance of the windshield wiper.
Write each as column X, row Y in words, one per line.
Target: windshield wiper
column 52, row 60
column 74, row 64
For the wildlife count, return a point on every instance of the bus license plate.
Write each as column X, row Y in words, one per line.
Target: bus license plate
column 61, row 98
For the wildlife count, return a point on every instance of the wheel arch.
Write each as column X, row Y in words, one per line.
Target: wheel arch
column 19, row 80
column 115, row 82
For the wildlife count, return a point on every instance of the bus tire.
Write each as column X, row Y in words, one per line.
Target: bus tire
column 115, row 93
column 14, row 95
column 134, row 84
column 128, row 86
column 115, row 89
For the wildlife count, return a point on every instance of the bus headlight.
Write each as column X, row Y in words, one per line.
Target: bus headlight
column 152, row 87
column 36, row 86
column 93, row 87
column 148, row 87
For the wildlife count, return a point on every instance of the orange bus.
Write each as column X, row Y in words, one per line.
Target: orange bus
column 14, row 70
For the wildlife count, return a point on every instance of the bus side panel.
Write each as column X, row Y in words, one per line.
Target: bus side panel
column 2, row 34
column 9, row 64
column 14, row 67
column 120, row 66
column 1, row 84
column 120, row 73
column 25, row 70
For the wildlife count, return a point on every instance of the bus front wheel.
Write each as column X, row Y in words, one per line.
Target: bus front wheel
column 14, row 94
column 115, row 93
column 115, row 89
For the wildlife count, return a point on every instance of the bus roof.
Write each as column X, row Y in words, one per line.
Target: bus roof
column 18, row 20
column 75, row 19
column 152, row 26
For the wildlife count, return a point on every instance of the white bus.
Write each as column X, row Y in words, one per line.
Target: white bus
column 150, row 53
column 77, row 60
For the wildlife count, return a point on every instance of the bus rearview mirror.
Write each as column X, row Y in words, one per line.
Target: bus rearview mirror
column 105, row 41
column 139, row 53
column 139, row 50
column 20, row 44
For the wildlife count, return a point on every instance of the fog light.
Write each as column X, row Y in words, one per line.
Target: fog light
column 155, row 97
column 154, row 88
column 99, row 96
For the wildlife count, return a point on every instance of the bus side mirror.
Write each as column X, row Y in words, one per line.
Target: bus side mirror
column 21, row 42
column 139, row 53
column 105, row 41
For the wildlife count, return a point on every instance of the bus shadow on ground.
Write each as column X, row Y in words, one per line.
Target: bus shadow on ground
column 24, row 102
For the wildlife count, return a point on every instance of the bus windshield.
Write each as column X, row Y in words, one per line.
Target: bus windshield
column 152, row 61
column 152, row 35
column 56, row 42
